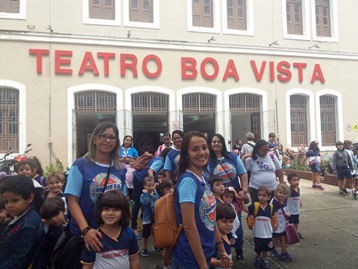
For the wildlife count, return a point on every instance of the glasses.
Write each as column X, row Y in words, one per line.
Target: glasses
column 104, row 137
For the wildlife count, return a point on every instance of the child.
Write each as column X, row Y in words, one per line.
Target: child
column 53, row 212
column 165, row 187
column 129, row 177
column 217, row 187
column 55, row 182
column 265, row 223
column 120, row 247
column 21, row 242
column 147, row 199
column 294, row 202
column 225, row 215
column 37, row 170
column 160, row 176
column 4, row 221
column 342, row 164
column 279, row 236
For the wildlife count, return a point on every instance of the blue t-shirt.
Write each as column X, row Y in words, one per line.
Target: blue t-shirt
column 155, row 164
column 228, row 169
column 115, row 253
column 86, row 181
column 192, row 189
column 171, row 161
column 131, row 152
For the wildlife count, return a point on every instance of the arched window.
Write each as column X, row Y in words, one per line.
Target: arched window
column 328, row 114
column 299, row 120
column 199, row 102
column 95, row 101
column 245, row 102
column 150, row 102
column 9, row 119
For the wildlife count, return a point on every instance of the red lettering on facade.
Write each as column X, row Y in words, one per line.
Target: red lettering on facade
column 215, row 65
column 258, row 74
column 188, row 68
column 231, row 71
column 283, row 68
column 272, row 71
column 39, row 53
column 88, row 64
column 158, row 62
column 106, row 57
column 132, row 64
column 300, row 67
column 61, row 60
column 317, row 74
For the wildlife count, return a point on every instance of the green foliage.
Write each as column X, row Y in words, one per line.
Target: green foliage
column 54, row 167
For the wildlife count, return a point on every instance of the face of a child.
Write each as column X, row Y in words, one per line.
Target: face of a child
column 55, row 185
column 111, row 216
column 228, row 197
column 167, row 190
column 131, row 162
column 218, row 188
column 160, row 178
column 281, row 195
column 15, row 204
column 150, row 186
column 263, row 197
column 3, row 215
column 26, row 170
column 225, row 225
column 340, row 147
column 295, row 182
column 57, row 220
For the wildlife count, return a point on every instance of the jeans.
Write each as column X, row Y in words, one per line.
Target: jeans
column 137, row 191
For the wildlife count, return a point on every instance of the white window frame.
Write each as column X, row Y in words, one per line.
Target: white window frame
column 306, row 31
column 88, row 20
column 249, row 20
column 334, row 23
column 216, row 19
column 16, row 16
column 156, row 17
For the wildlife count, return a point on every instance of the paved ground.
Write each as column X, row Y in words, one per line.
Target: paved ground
column 330, row 226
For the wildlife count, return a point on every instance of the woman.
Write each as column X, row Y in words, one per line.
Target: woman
column 89, row 176
column 229, row 166
column 313, row 155
column 172, row 159
column 195, row 208
column 150, row 169
column 249, row 145
column 127, row 150
column 265, row 168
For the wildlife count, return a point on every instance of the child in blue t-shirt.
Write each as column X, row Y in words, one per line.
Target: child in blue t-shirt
column 120, row 246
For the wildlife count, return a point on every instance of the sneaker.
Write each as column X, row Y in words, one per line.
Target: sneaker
column 265, row 264
column 258, row 261
column 157, row 249
column 274, row 254
column 314, row 186
column 301, row 236
column 145, row 252
column 286, row 257
column 319, row 187
column 354, row 195
column 345, row 191
column 341, row 193
column 240, row 258
column 139, row 236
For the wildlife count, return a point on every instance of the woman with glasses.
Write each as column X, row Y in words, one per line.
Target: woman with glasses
column 127, row 150
column 90, row 176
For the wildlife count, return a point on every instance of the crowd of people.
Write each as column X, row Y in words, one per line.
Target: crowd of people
column 105, row 197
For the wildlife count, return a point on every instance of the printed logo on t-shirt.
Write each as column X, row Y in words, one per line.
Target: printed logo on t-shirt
column 207, row 209
column 232, row 241
column 98, row 182
column 226, row 171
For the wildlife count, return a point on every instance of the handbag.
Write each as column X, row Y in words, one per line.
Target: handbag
column 291, row 232
column 312, row 162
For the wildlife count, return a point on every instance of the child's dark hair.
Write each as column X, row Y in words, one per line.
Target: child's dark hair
column 290, row 176
column 265, row 189
column 23, row 163
column 147, row 179
column 114, row 199
column 225, row 211
column 2, row 204
column 213, row 179
column 161, row 173
column 52, row 207
column 57, row 175
column 36, row 165
column 166, row 183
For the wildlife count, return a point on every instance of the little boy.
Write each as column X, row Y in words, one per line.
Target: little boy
column 165, row 187
column 294, row 202
column 160, row 176
column 217, row 187
column 342, row 165
column 265, row 224
column 147, row 199
column 21, row 242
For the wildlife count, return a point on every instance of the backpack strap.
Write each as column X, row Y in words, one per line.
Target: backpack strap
column 271, row 207
column 256, row 208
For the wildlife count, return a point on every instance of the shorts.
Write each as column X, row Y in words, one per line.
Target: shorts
column 263, row 244
column 278, row 235
column 343, row 172
column 147, row 230
column 295, row 219
column 316, row 168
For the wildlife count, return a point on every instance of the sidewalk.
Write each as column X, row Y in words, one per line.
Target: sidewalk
column 329, row 223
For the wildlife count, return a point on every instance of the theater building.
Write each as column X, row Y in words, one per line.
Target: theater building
column 229, row 67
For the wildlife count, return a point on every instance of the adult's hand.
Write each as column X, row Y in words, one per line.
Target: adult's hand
column 92, row 242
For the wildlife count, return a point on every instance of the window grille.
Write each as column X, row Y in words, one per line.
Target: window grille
column 299, row 121
column 150, row 102
column 9, row 119
column 202, row 13
column 323, row 18
column 199, row 102
column 95, row 101
column 294, row 17
column 245, row 102
column 236, row 14
column 328, row 120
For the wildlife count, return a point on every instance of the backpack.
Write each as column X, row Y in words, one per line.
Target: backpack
column 165, row 227
column 251, row 218
column 141, row 162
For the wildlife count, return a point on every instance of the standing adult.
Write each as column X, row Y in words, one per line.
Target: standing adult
column 230, row 168
column 313, row 154
column 195, row 207
column 89, row 176
column 265, row 168
column 127, row 150
column 167, row 143
column 172, row 159
column 249, row 145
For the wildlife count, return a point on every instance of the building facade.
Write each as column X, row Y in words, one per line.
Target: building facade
column 229, row 67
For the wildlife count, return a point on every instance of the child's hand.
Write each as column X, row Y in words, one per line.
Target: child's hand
column 145, row 191
column 275, row 226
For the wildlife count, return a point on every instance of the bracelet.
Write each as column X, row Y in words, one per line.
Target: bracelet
column 85, row 230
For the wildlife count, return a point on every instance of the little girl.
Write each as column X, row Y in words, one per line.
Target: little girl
column 120, row 247
column 279, row 236
column 129, row 177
